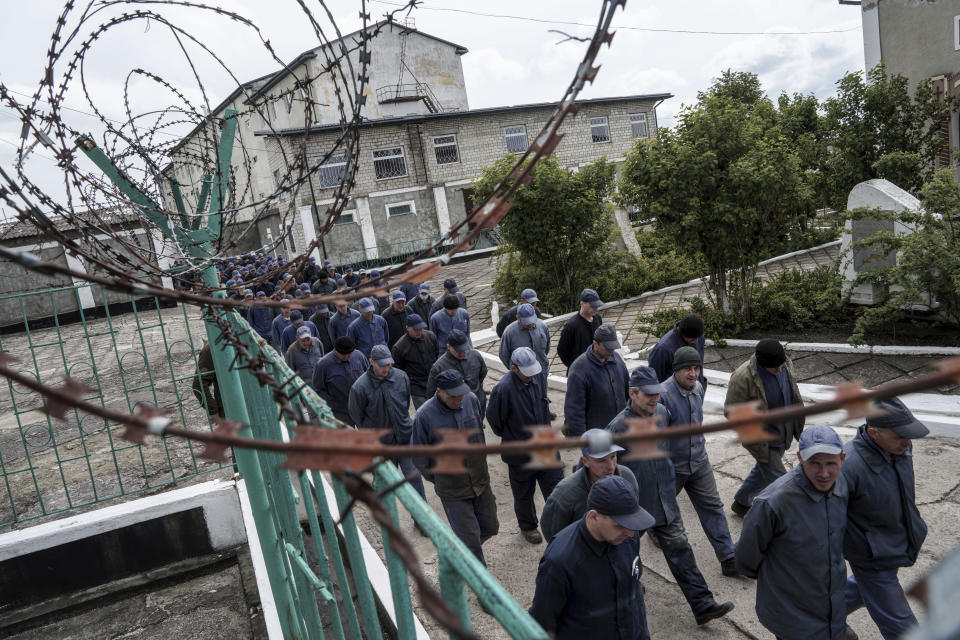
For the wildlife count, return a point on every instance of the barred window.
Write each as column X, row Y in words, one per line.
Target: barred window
column 445, row 147
column 638, row 126
column 516, row 138
column 400, row 208
column 599, row 130
column 333, row 171
column 389, row 163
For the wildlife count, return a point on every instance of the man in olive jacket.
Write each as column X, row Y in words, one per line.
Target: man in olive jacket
column 767, row 377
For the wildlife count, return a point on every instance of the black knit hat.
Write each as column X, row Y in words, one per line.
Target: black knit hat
column 690, row 326
column 770, row 353
column 344, row 345
column 686, row 357
column 451, row 302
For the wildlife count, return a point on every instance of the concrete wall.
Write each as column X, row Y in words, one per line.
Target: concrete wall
column 917, row 38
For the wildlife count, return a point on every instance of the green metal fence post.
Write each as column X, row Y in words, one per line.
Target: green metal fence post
column 399, row 584
column 451, row 586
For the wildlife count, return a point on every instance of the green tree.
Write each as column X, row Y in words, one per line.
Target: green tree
column 927, row 272
column 556, row 238
column 874, row 128
column 725, row 183
column 740, row 86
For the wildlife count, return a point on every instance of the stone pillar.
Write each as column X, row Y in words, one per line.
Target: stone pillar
column 85, row 293
column 627, row 234
column 309, row 230
column 365, row 220
column 163, row 260
column 443, row 211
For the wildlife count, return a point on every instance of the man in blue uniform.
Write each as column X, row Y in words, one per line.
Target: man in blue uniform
column 527, row 331
column 658, row 497
column 792, row 543
column 588, row 581
column 335, row 374
column 686, row 333
column 445, row 320
column 519, row 400
column 289, row 335
column 342, row 320
column 527, row 296
column 682, row 396
column 369, row 329
column 279, row 324
column 884, row 527
column 596, row 384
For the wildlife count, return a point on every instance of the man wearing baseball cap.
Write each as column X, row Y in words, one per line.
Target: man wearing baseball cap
column 461, row 357
column 414, row 353
column 297, row 322
column 380, row 399
column 517, row 401
column 260, row 318
column 422, row 302
column 450, row 289
column 342, row 318
column 686, row 333
column 577, row 333
column 568, row 500
column 766, row 378
column 658, row 496
column 682, row 397
column 396, row 316
column 527, row 331
column 369, row 329
column 588, row 581
column 304, row 354
column 467, row 499
column 596, row 384
column 792, row 543
column 335, row 374
column 527, row 296
column 279, row 325
column 884, row 527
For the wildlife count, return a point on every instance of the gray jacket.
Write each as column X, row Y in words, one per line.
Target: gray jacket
column 568, row 500
column 303, row 361
column 472, row 368
column 684, row 406
column 884, row 527
column 383, row 404
column 537, row 338
column 792, row 542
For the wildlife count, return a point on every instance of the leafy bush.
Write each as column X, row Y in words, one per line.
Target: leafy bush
column 717, row 325
column 796, row 301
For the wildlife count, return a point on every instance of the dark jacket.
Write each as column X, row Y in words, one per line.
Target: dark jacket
column 416, row 357
column 339, row 323
column 438, row 303
column 432, row 417
column 746, row 386
column 884, row 527
column 421, row 307
column 261, row 320
column 537, row 338
column 289, row 335
column 596, row 392
column 332, row 379
column 377, row 403
column 473, row 368
column 515, row 404
column 684, row 406
column 661, row 356
column 587, row 589
column 366, row 334
column 322, row 323
column 792, row 543
column 321, row 289
column 396, row 324
column 576, row 336
column 509, row 317
column 655, row 479
column 568, row 500
column 303, row 361
column 277, row 328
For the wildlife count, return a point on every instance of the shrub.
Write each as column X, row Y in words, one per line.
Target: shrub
column 795, row 301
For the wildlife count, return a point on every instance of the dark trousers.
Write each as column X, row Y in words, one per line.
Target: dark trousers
column 407, row 468
column 523, row 483
column 473, row 520
column 881, row 593
column 679, row 556
column 701, row 487
column 418, row 400
column 760, row 477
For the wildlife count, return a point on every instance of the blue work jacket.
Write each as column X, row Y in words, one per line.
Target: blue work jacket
column 261, row 320
column 441, row 323
column 568, row 501
column 661, row 356
column 366, row 334
column 884, row 527
column 383, row 403
column 277, row 328
column 792, row 543
column 332, row 379
column 339, row 323
column 537, row 338
column 473, row 368
column 513, row 405
column 684, row 406
column 655, row 479
column 433, row 417
column 304, row 361
column 596, row 392
column 289, row 335
column 587, row 589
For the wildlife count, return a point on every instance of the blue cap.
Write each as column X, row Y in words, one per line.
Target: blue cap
column 366, row 305
column 380, row 354
column 898, row 419
column 303, row 332
column 589, row 295
column 645, row 379
column 526, row 361
column 452, row 382
column 348, row 268
column 529, row 295
column 526, row 313
column 261, row 294
column 414, row 321
column 451, row 285
column 424, row 286
column 613, row 497
column 313, row 260
column 458, row 340
column 606, row 334
column 296, row 316
column 819, row 438
column 399, row 295
column 374, row 273
column 248, row 292
column 304, row 287
column 285, row 300
column 599, row 444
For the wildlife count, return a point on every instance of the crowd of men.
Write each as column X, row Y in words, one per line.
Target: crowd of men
column 852, row 502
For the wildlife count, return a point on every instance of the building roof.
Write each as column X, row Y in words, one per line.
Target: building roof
column 425, row 117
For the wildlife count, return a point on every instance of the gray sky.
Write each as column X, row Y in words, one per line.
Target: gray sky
column 511, row 60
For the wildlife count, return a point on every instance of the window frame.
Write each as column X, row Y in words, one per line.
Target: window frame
column 606, row 126
column 330, row 164
column 412, row 204
column 507, row 136
column 455, row 144
column 352, row 220
column 402, row 156
column 646, row 126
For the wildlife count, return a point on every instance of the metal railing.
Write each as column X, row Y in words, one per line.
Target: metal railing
column 125, row 353
column 395, row 252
